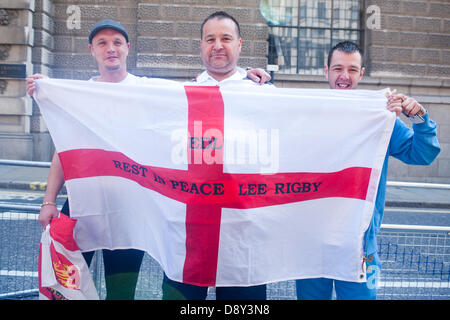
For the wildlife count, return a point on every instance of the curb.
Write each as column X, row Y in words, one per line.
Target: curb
column 29, row 186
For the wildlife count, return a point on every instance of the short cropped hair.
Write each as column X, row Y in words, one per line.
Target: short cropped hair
column 221, row 15
column 348, row 47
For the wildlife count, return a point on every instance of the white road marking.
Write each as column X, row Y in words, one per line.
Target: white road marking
column 17, row 216
column 414, row 284
column 18, row 273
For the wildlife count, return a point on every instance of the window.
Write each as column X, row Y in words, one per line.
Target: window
column 303, row 31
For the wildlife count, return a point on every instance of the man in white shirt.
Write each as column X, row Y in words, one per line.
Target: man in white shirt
column 109, row 45
column 220, row 47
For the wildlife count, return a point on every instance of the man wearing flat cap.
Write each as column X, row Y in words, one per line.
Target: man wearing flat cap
column 109, row 45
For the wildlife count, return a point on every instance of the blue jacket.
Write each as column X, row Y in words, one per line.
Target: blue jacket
column 418, row 146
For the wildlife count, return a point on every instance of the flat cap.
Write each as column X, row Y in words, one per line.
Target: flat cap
column 107, row 24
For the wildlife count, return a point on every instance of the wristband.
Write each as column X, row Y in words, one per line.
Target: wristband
column 48, row 203
column 422, row 111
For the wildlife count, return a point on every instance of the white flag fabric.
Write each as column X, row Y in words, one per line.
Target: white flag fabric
column 222, row 186
column 63, row 272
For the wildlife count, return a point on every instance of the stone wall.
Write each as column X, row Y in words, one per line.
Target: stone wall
column 16, row 40
column 413, row 39
column 168, row 35
column 411, row 51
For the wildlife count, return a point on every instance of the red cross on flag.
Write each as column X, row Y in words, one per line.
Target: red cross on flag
column 230, row 186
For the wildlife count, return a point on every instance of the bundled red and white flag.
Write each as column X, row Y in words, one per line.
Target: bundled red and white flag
column 63, row 272
column 231, row 186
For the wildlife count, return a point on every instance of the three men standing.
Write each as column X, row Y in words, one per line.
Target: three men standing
column 220, row 46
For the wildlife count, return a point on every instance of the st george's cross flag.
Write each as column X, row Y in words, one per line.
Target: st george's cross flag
column 222, row 186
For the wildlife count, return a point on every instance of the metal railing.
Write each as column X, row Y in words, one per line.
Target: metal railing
column 418, row 185
column 24, row 163
column 20, row 236
column 416, row 262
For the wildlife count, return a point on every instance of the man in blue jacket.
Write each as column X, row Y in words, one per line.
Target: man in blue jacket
column 416, row 146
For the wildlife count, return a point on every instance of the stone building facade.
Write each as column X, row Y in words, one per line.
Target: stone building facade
column 409, row 50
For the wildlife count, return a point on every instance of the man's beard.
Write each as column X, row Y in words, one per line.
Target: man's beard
column 112, row 68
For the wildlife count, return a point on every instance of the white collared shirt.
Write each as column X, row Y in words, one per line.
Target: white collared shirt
column 239, row 78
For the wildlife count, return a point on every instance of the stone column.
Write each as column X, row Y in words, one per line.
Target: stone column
column 42, row 59
column 16, row 40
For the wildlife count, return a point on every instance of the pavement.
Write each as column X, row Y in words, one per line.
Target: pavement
column 405, row 195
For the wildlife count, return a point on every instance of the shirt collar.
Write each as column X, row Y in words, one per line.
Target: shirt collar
column 240, row 74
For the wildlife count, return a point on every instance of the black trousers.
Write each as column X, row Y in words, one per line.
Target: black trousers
column 173, row 290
